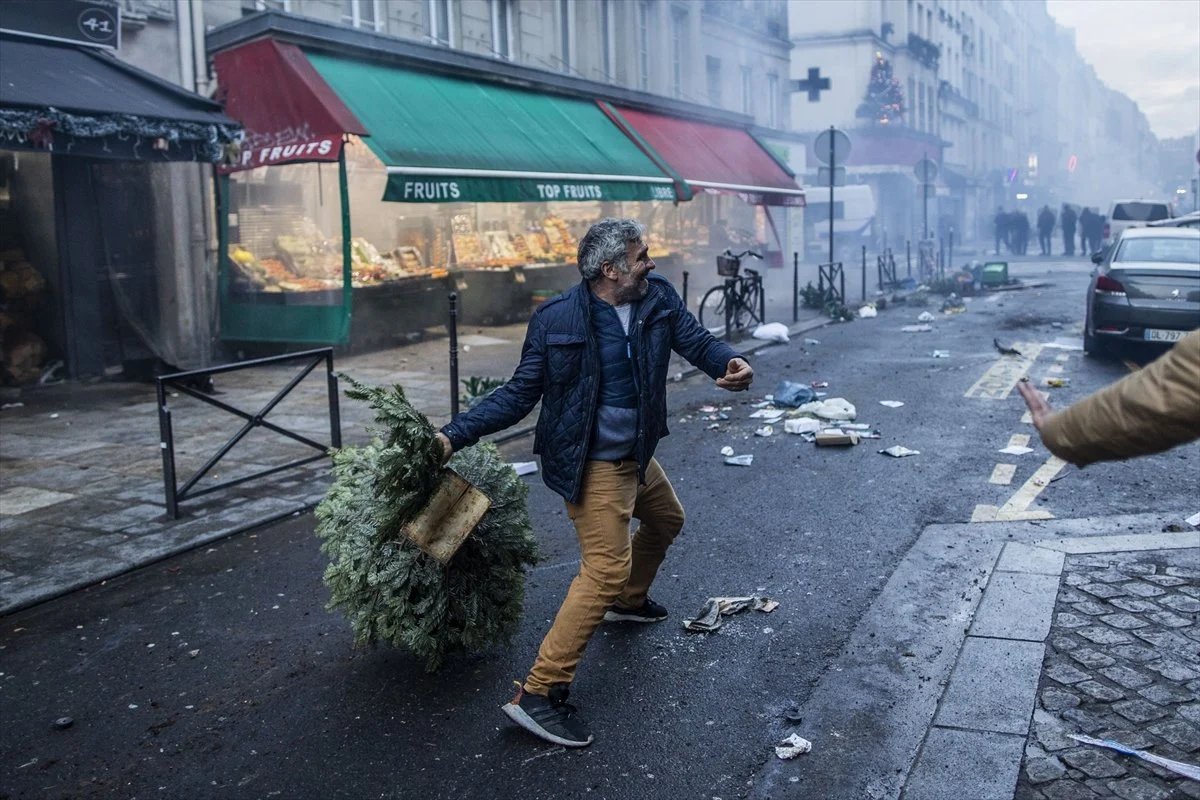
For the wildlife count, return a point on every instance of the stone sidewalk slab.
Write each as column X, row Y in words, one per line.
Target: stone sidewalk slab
column 901, row 669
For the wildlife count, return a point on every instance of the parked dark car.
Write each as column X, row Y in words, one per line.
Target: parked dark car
column 1146, row 288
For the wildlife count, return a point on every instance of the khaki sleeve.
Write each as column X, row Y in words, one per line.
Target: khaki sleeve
column 1154, row 409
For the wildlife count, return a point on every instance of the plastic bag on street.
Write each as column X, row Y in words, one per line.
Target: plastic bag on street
column 794, row 395
column 771, row 331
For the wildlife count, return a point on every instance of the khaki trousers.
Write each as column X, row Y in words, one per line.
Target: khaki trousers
column 612, row 567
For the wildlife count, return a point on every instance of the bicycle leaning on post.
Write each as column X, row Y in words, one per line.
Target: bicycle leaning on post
column 738, row 302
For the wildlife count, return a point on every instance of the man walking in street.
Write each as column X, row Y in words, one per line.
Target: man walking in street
column 1067, row 220
column 597, row 356
column 1045, row 226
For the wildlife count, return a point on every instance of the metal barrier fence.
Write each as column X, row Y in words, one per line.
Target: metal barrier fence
column 179, row 381
column 833, row 275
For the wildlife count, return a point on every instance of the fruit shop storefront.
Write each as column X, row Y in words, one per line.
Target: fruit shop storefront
column 375, row 179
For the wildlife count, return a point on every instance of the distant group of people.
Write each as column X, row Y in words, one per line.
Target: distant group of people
column 1012, row 230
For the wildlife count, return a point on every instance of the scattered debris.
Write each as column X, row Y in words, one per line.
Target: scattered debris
column 1007, row 351
column 740, row 461
column 925, row 316
column 793, row 746
column 525, row 467
column 941, row 353
column 953, row 304
column 899, row 451
column 801, row 425
column 726, row 450
column 771, row 331
column 708, row 618
column 793, row 395
column 1178, row 767
column 765, row 430
column 837, row 408
column 1058, row 383
column 868, row 312
column 916, row 329
column 836, row 437
column 891, row 403
column 1016, row 450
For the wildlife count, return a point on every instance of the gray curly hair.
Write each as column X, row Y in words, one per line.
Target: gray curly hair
column 607, row 240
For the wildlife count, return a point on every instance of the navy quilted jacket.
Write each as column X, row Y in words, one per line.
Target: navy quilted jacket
column 560, row 366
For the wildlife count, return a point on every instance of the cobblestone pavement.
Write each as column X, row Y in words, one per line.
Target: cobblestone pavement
column 1122, row 663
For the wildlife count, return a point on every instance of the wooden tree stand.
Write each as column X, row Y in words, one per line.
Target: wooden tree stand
column 451, row 514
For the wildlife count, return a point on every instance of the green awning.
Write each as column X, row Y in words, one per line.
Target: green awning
column 447, row 140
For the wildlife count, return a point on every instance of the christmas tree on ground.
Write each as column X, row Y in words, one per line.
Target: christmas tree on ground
column 884, row 103
column 391, row 590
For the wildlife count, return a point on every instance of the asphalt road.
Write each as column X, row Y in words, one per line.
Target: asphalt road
column 219, row 674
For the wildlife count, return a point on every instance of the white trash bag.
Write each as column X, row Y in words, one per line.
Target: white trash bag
column 772, row 332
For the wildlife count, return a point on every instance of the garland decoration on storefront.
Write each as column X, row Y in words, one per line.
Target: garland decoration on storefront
column 39, row 127
column 390, row 590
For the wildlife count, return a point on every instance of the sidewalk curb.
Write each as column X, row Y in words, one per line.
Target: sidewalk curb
column 871, row 714
column 305, row 505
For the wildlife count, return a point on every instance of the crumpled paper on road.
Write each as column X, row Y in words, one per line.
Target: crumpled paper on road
column 708, row 618
column 792, row 746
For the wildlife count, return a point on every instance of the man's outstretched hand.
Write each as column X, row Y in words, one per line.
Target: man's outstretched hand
column 738, row 376
column 1039, row 409
column 447, row 448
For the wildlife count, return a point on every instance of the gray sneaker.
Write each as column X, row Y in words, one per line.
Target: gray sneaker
column 648, row 611
column 549, row 717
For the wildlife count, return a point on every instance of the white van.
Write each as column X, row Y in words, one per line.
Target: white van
column 1124, row 214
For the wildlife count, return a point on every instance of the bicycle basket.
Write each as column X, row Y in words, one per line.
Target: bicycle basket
column 727, row 266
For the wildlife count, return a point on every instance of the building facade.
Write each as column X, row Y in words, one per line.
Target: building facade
column 994, row 91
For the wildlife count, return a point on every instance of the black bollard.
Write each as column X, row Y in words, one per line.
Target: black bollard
column 864, row 273
column 795, row 286
column 453, row 354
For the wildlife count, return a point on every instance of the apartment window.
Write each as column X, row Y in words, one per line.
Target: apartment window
column 440, row 30
column 772, row 101
column 644, row 45
column 747, row 91
column 678, row 43
column 362, row 14
column 502, row 28
column 566, row 25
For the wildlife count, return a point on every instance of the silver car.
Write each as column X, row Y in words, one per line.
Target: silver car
column 1146, row 288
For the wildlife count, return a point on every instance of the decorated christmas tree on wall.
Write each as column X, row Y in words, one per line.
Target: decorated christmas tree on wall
column 884, row 103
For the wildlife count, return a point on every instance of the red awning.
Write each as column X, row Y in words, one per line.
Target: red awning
column 290, row 114
column 711, row 157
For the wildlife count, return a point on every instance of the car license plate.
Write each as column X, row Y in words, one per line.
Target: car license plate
column 1159, row 335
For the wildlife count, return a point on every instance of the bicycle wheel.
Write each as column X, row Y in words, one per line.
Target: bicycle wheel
column 712, row 308
column 753, row 302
